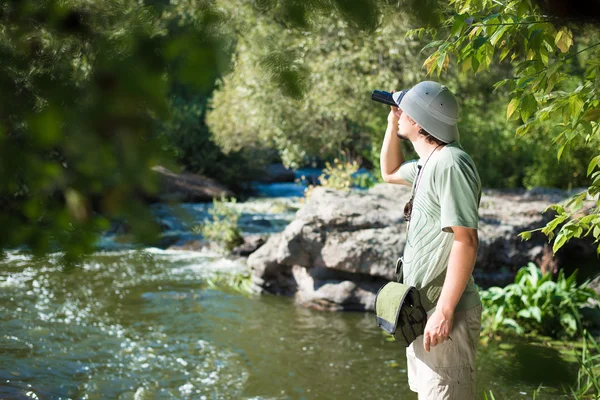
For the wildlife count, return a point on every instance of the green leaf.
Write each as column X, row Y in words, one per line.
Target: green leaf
column 525, row 235
column 528, row 107
column 536, row 313
column 561, row 150
column 475, row 63
column 505, row 51
column 576, row 106
column 457, row 26
column 543, row 53
column 592, row 114
column 569, row 322
column 498, row 34
column 523, row 129
column 480, row 41
column 561, row 239
column 512, row 106
column 563, row 39
column 435, row 43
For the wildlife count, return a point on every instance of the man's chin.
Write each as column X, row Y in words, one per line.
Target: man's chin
column 401, row 136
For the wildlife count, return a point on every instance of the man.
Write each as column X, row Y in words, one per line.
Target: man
column 442, row 237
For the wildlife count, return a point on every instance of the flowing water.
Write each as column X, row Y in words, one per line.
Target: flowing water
column 147, row 324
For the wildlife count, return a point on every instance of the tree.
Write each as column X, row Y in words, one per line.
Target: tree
column 307, row 92
column 82, row 85
column 556, row 81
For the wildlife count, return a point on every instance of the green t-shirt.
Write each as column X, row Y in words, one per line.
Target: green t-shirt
column 448, row 194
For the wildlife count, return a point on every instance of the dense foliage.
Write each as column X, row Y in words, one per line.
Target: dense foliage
column 536, row 303
column 82, row 85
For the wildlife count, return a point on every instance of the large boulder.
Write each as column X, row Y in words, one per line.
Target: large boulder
column 337, row 251
column 341, row 247
column 187, row 187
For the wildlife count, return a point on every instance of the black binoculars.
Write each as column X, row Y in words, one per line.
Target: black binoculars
column 391, row 99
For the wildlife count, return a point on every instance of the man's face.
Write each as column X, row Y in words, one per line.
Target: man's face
column 405, row 125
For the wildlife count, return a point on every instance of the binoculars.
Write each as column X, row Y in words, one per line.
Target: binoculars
column 391, row 99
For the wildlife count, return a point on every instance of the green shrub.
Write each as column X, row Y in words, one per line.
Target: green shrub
column 339, row 174
column 535, row 303
column 222, row 228
column 364, row 181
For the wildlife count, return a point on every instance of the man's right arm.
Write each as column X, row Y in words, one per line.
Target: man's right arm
column 391, row 157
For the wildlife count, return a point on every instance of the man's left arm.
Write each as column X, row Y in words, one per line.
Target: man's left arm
column 460, row 267
column 458, row 188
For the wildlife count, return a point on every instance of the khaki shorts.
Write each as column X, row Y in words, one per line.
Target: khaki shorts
column 448, row 371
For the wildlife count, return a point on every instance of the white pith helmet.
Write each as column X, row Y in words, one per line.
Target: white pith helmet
column 432, row 106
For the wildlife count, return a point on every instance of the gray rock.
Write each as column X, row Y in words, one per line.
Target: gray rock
column 354, row 234
column 250, row 245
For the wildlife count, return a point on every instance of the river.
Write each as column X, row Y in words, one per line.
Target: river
column 147, row 324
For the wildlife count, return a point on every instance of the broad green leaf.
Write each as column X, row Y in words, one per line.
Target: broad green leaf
column 569, row 322
column 528, row 106
column 513, row 324
column 543, row 52
column 563, row 39
column 536, row 313
column 498, row 34
column 576, row 106
column 525, row 313
column 593, row 164
column 560, row 241
column 505, row 51
column 593, row 114
column 457, row 26
column 512, row 106
column 480, row 41
column 466, row 65
column 435, row 43
column 523, row 129
column 475, row 63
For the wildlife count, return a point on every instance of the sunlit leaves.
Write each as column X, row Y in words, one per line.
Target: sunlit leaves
column 564, row 39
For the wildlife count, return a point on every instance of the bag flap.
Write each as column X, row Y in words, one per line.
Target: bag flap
column 388, row 304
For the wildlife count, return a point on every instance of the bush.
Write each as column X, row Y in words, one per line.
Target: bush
column 535, row 303
column 223, row 227
column 338, row 175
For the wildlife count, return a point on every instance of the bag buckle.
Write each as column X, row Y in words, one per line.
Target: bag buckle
column 399, row 274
